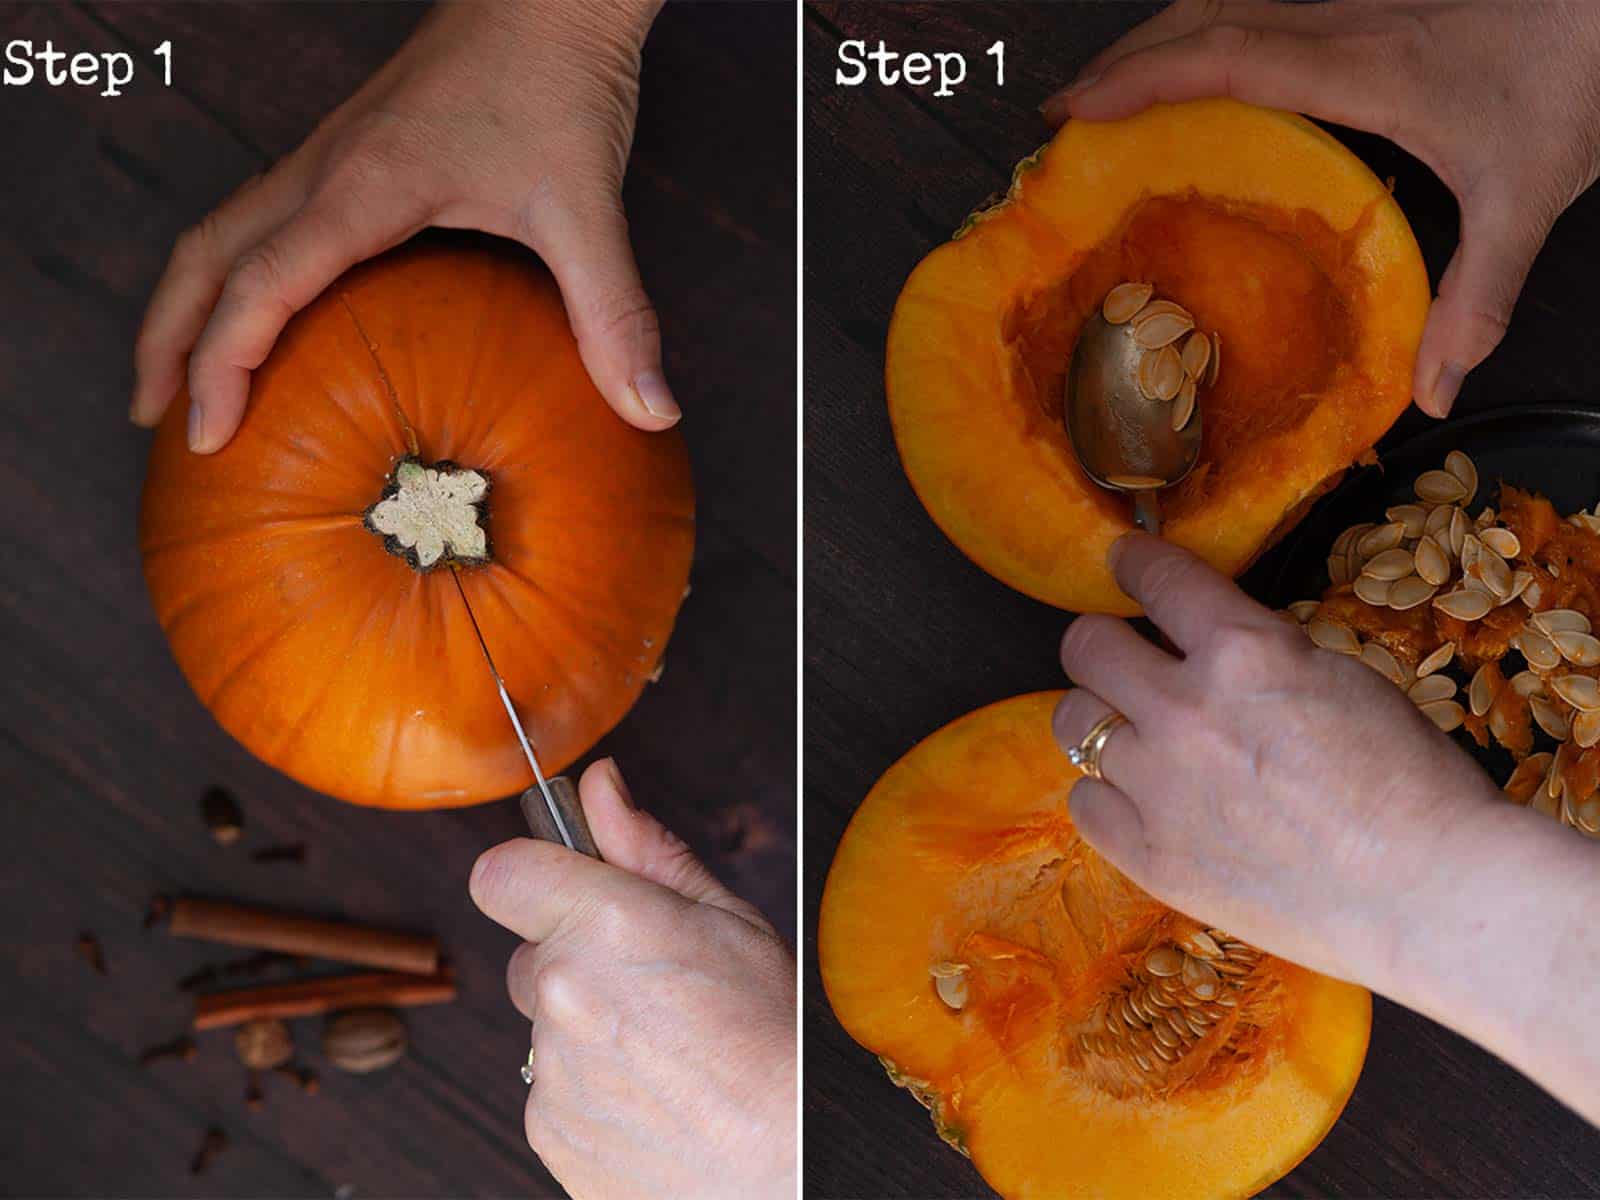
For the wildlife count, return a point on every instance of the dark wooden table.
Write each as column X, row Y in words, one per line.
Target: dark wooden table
column 902, row 633
column 105, row 752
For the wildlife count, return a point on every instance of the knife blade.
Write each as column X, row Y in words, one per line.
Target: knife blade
column 568, row 825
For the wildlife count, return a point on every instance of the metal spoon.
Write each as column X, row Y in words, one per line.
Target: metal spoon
column 1124, row 442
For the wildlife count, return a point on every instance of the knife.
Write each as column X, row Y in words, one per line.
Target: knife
column 551, row 807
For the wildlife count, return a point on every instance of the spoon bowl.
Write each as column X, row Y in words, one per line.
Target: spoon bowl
column 1124, row 442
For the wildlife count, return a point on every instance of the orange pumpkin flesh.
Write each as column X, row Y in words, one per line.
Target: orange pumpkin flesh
column 964, row 852
column 339, row 662
column 1273, row 235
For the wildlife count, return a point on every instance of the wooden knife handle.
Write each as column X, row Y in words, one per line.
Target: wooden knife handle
column 543, row 825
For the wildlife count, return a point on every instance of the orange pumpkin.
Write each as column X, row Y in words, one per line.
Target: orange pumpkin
column 1274, row 236
column 431, row 385
column 1073, row 1035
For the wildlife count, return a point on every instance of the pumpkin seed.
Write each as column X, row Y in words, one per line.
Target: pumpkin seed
column 1580, row 691
column 1196, row 355
column 1125, row 300
column 1167, row 373
column 1372, row 591
column 1484, row 519
column 1446, row 714
column 1539, row 650
column 1145, row 376
column 1520, row 579
column 1557, row 620
column 1495, row 572
column 1143, row 1063
column 1502, row 541
column 1527, row 777
column 1460, row 527
column 1549, row 718
column 1437, row 526
column 1338, row 569
column 1437, row 661
column 1383, row 662
column 952, row 990
column 1330, row 636
column 1464, row 605
column 1342, row 542
column 1156, row 308
column 1201, row 944
column 1526, row 683
column 1471, row 549
column 1412, row 517
column 1459, row 465
column 1380, row 539
column 1160, row 330
column 1183, row 406
column 1166, row 1036
column 1481, row 692
column 1304, row 610
column 1432, row 563
column 1587, row 521
column 1501, row 726
column 1410, row 592
column 948, row 970
column 1164, row 961
column 1586, row 729
column 1135, row 482
column 1545, row 803
column 1389, row 565
column 1431, row 688
column 1216, row 359
column 1579, row 649
column 1440, row 487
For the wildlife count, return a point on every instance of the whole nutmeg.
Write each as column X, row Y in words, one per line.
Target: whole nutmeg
column 263, row 1044
column 367, row 1039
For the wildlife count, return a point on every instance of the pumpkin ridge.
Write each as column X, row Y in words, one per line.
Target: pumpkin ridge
column 595, row 638
column 383, row 374
column 310, row 524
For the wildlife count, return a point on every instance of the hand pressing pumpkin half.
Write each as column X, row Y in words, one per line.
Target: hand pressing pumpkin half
column 426, row 420
column 1263, row 230
column 1069, row 1032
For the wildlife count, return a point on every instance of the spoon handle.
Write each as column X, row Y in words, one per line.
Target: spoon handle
column 1145, row 513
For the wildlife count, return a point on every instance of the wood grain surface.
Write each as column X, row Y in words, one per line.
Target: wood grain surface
column 902, row 633
column 104, row 751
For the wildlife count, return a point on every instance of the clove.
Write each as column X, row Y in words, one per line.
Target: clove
column 253, row 1099
column 215, row 1142
column 89, row 950
column 182, row 1049
column 222, row 815
column 294, row 852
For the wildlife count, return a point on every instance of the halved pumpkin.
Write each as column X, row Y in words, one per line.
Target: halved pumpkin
column 1273, row 235
column 1004, row 973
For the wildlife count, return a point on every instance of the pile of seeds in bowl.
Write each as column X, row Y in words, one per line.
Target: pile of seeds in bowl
column 1500, row 597
column 1169, row 372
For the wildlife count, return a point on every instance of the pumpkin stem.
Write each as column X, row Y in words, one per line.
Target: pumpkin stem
column 432, row 514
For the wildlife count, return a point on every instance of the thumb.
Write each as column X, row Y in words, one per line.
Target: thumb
column 636, row 842
column 619, row 335
column 1476, row 295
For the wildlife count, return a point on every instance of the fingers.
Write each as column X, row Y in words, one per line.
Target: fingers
column 535, row 888
column 1186, row 598
column 1112, row 824
column 1275, row 68
column 271, row 282
column 1077, row 713
column 1107, row 656
column 618, row 333
column 637, row 842
column 520, row 972
column 188, row 288
column 1476, row 297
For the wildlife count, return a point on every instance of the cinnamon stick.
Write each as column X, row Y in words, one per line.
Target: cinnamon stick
column 308, row 937
column 311, row 997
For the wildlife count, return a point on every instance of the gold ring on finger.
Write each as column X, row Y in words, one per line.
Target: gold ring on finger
column 1086, row 754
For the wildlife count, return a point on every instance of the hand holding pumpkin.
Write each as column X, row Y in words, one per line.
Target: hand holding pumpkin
column 1297, row 799
column 1498, row 99
column 511, row 118
column 662, row 1009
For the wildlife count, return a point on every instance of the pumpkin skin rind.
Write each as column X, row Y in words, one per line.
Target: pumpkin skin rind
column 331, row 658
column 990, row 459
column 887, row 912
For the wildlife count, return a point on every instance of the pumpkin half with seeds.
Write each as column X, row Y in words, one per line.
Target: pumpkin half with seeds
column 1071, row 1034
column 1264, row 231
column 426, row 421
